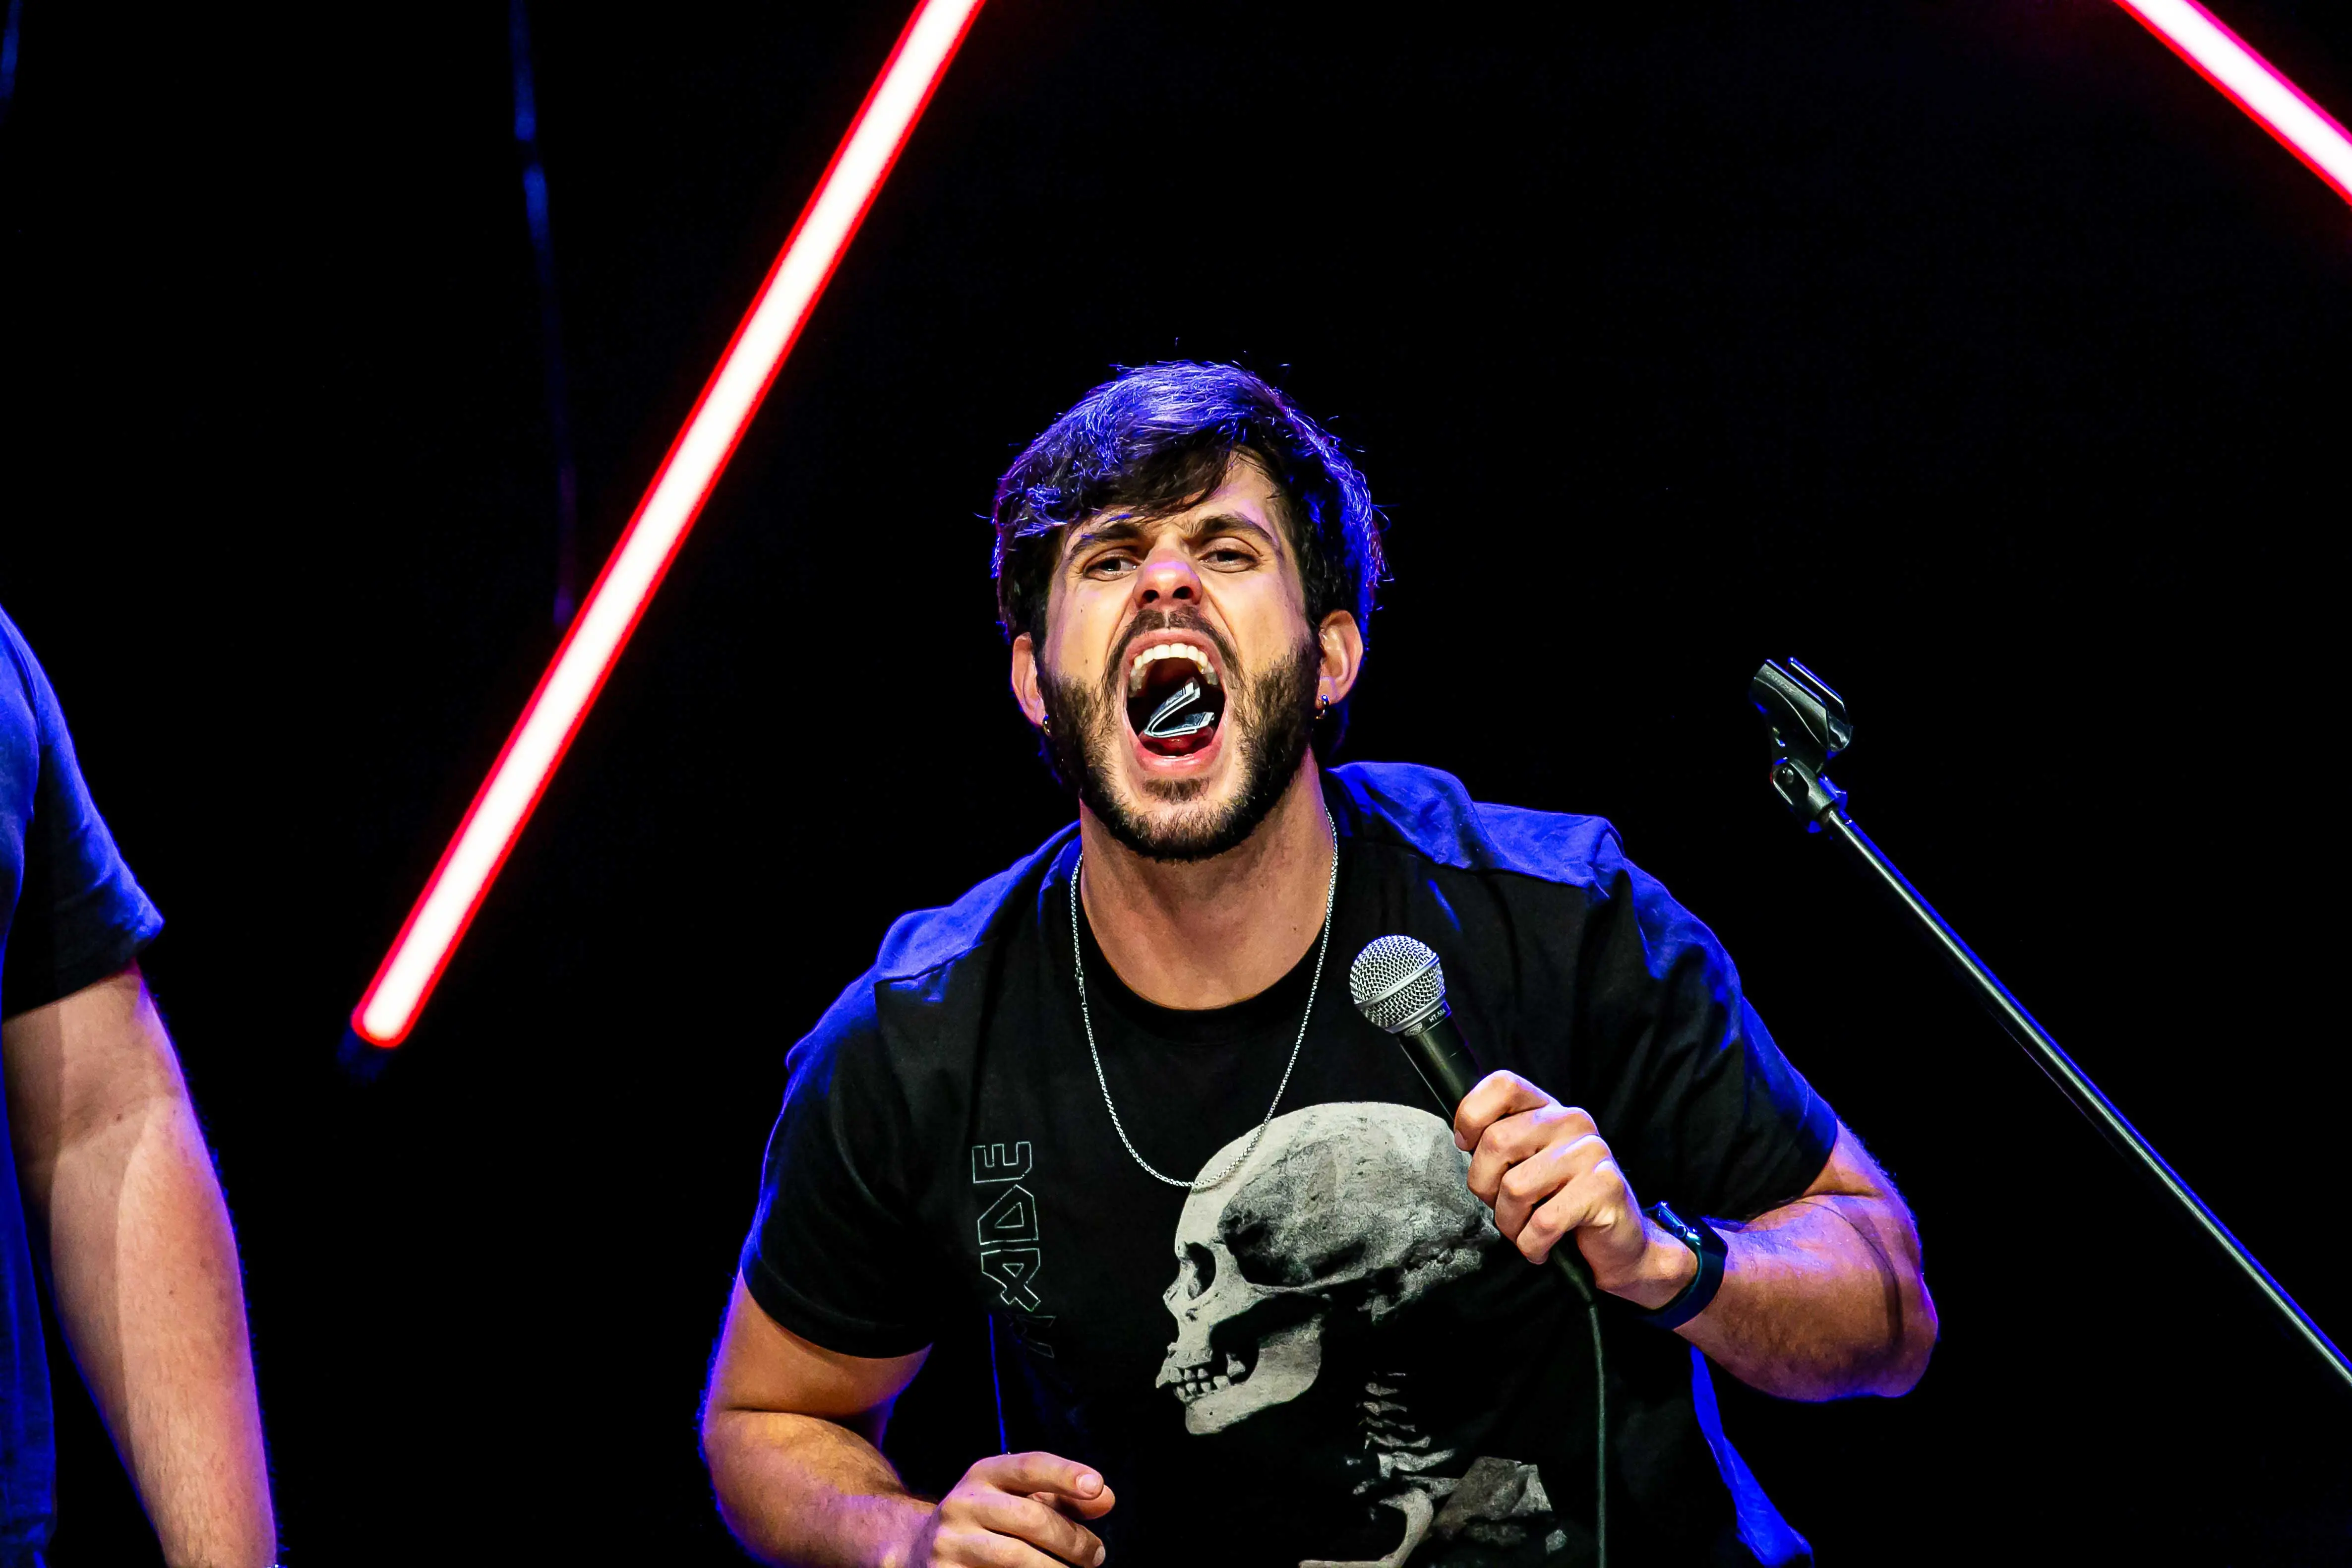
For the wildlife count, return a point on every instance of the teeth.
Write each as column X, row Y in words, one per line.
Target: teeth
column 1197, row 1382
column 1158, row 651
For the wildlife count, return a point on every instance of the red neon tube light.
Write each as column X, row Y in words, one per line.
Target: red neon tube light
column 2253, row 84
column 672, row 503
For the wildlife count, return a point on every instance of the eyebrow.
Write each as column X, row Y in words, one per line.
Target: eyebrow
column 1125, row 527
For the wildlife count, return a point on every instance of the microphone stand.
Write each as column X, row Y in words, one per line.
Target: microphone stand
column 1808, row 727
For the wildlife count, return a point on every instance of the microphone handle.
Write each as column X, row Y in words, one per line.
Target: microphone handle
column 1445, row 1065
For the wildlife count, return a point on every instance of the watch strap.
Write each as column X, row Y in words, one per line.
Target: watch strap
column 1709, row 1247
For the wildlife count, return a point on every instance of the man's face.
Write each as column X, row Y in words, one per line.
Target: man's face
column 1178, row 671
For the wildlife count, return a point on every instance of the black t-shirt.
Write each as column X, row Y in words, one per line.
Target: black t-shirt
column 71, row 915
column 1331, row 1353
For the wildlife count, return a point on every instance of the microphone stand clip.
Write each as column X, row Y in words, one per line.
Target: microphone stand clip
column 1808, row 727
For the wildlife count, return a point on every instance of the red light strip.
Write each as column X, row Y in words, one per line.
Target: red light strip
column 2253, row 84
column 672, row 503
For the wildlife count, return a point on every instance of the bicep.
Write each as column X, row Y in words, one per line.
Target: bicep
column 763, row 1367
column 80, row 1065
column 1857, row 1189
column 1851, row 1173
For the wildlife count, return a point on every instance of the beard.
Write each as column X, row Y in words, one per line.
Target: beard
column 1270, row 722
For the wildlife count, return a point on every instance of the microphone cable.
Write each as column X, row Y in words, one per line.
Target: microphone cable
column 1399, row 988
column 1599, row 1436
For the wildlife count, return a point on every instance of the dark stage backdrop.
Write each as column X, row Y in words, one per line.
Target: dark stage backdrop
column 1979, row 353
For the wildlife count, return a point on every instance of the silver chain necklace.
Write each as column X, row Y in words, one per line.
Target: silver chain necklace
column 1086, row 1018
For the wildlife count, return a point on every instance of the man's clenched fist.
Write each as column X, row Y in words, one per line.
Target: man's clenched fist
column 1542, row 1167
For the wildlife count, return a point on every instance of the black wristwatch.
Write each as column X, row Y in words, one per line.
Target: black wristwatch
column 1702, row 1239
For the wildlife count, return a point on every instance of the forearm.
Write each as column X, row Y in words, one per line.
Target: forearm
column 808, row 1491
column 1822, row 1298
column 149, row 1294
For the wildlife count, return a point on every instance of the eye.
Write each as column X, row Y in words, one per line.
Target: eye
column 1108, row 567
column 1229, row 556
column 1200, row 1269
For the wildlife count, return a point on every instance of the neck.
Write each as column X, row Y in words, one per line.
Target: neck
column 1208, row 934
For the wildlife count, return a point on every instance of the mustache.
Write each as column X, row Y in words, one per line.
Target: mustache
column 1180, row 619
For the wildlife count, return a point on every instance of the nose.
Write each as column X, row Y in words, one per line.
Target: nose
column 1168, row 579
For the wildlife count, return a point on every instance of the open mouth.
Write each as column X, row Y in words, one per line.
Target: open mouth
column 1174, row 699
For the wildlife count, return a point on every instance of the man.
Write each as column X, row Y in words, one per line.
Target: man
column 110, row 1177
column 1254, row 1299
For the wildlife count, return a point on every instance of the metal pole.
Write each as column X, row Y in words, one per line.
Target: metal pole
column 2011, row 1016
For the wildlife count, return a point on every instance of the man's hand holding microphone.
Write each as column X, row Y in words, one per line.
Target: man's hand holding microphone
column 1545, row 1171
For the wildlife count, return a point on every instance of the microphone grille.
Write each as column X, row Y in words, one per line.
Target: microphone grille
column 1396, row 982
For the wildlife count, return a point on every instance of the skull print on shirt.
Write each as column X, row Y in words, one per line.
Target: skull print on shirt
column 1352, row 1211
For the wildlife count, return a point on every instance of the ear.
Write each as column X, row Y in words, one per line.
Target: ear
column 1342, row 646
column 1026, row 690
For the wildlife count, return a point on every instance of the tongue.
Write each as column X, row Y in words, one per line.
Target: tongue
column 1175, row 716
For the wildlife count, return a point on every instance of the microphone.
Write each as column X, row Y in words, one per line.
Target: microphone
column 1400, row 989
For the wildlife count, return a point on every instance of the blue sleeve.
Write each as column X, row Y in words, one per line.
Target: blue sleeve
column 80, row 914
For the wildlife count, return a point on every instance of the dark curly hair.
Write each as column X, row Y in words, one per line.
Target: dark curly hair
column 1156, row 439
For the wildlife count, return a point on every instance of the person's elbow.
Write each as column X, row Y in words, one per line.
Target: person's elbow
column 722, row 1427
column 728, row 1447
column 1910, row 1345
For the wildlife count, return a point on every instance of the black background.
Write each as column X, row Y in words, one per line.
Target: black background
column 1980, row 353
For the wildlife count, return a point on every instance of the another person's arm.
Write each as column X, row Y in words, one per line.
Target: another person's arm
column 118, row 1185
column 791, row 1432
column 1822, row 1298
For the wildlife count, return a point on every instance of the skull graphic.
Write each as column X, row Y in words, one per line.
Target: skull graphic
column 1352, row 1207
